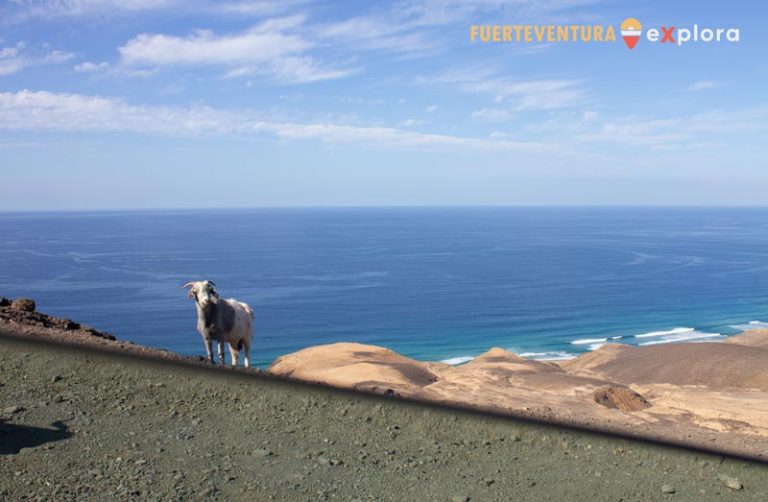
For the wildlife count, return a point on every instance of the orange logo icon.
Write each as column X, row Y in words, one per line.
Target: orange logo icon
column 631, row 29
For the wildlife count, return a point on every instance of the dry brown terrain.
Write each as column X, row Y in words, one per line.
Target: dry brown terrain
column 706, row 395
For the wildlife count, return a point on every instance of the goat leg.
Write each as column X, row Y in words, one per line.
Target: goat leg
column 234, row 353
column 209, row 350
column 246, row 354
column 221, row 353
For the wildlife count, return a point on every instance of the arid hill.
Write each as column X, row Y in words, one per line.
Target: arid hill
column 710, row 395
column 740, row 364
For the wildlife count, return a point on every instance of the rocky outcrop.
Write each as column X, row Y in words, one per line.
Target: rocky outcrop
column 23, row 304
column 621, row 398
column 18, row 321
column 21, row 311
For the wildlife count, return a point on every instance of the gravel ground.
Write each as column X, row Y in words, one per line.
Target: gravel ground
column 82, row 425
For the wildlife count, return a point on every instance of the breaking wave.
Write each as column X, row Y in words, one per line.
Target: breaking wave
column 665, row 333
column 685, row 336
column 455, row 361
column 751, row 325
column 588, row 341
column 556, row 355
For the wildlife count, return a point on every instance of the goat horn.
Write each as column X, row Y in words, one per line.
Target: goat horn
column 188, row 285
column 211, row 283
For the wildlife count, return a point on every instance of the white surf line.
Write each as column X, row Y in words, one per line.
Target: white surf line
column 750, row 325
column 588, row 341
column 556, row 355
column 674, row 331
column 689, row 337
column 455, row 361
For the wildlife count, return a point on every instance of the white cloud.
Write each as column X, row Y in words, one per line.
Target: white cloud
column 23, row 10
column 17, row 58
column 303, row 69
column 89, row 67
column 11, row 60
column 533, row 94
column 363, row 101
column 703, row 85
column 441, row 12
column 715, row 127
column 274, row 48
column 540, row 94
column 117, row 71
column 254, row 7
column 491, row 114
column 56, row 57
column 410, row 123
column 56, row 8
column 389, row 137
column 379, row 33
column 42, row 110
column 412, row 28
column 261, row 43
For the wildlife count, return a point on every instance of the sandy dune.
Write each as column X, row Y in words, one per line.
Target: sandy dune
column 711, row 395
column 358, row 366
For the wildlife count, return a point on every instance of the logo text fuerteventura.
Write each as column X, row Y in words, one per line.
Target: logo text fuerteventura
column 630, row 31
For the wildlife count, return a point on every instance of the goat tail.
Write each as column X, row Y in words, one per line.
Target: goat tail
column 249, row 310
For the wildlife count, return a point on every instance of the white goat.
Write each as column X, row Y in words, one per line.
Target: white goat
column 226, row 321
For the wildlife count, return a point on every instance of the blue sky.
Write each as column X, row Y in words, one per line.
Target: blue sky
column 184, row 103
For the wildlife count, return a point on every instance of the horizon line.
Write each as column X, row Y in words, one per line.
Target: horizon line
column 377, row 206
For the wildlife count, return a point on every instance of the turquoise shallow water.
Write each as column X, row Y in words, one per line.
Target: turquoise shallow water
column 432, row 283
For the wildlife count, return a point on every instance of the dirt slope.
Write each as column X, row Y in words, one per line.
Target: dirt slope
column 78, row 425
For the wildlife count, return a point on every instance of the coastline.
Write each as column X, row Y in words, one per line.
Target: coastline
column 652, row 392
column 450, row 282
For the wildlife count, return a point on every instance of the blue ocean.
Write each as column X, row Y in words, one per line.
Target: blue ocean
column 431, row 283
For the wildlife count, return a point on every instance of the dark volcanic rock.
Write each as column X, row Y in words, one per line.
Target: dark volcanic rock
column 4, row 302
column 64, row 323
column 22, row 312
column 23, row 304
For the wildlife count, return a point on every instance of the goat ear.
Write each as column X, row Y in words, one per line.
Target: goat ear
column 211, row 283
column 191, row 293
